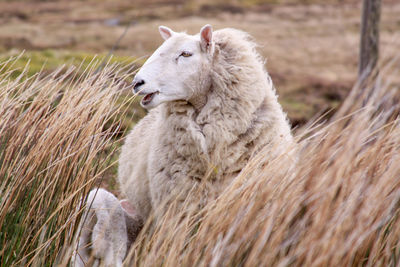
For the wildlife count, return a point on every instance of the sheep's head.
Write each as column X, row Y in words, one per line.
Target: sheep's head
column 178, row 70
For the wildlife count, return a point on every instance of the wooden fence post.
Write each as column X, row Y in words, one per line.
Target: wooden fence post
column 369, row 41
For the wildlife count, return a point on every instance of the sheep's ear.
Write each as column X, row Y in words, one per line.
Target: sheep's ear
column 128, row 207
column 165, row 32
column 206, row 37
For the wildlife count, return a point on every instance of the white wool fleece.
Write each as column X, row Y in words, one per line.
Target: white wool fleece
column 233, row 115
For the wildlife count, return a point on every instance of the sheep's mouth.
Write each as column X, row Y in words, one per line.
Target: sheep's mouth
column 148, row 98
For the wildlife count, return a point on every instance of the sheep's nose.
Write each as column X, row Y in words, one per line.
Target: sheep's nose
column 137, row 83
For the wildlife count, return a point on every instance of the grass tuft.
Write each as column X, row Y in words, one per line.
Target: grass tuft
column 53, row 130
column 338, row 206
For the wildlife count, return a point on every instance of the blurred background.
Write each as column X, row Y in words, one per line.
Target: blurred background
column 311, row 46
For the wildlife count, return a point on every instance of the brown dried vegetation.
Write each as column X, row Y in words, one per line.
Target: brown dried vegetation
column 340, row 207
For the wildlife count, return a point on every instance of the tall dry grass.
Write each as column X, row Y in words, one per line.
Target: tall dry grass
column 54, row 130
column 340, row 207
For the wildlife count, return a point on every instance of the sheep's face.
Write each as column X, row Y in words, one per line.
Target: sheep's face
column 178, row 70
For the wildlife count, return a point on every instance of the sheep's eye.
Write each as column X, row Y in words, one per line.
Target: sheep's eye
column 186, row 54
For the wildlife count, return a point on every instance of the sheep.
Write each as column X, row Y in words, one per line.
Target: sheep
column 212, row 105
column 104, row 229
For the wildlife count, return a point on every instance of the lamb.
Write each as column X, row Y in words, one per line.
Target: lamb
column 212, row 106
column 105, row 228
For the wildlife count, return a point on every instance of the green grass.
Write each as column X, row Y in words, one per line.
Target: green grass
column 46, row 61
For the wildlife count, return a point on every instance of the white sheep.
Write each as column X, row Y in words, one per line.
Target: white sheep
column 212, row 106
column 104, row 236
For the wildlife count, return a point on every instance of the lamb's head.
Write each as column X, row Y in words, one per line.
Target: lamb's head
column 178, row 70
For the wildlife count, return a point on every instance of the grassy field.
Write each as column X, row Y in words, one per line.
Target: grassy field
column 66, row 106
column 59, row 135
